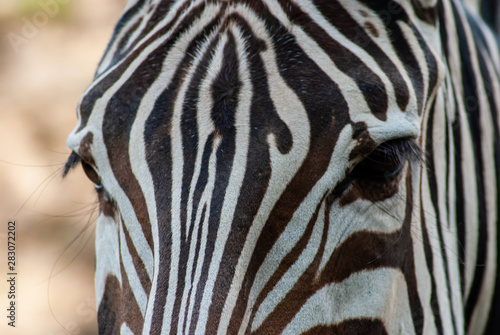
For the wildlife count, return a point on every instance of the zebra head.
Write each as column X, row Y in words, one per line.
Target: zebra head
column 258, row 166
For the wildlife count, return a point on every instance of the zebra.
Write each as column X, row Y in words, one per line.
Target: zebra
column 295, row 167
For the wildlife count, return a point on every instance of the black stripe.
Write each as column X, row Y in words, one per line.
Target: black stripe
column 459, row 195
column 430, row 268
column 351, row 327
column 137, row 263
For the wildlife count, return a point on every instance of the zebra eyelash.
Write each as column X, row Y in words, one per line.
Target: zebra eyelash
column 385, row 162
column 71, row 163
column 403, row 149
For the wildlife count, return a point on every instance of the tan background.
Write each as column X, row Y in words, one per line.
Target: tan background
column 40, row 86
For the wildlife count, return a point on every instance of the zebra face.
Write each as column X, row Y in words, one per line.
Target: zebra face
column 256, row 163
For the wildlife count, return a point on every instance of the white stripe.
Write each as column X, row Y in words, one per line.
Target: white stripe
column 107, row 250
column 335, row 303
column 135, row 283
column 125, row 330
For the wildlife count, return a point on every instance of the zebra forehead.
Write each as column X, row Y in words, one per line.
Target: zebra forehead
column 132, row 30
column 341, row 39
column 341, row 59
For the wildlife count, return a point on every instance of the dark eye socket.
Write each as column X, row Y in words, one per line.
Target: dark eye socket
column 92, row 175
column 385, row 163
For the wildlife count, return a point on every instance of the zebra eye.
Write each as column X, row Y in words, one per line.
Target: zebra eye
column 92, row 175
column 385, row 163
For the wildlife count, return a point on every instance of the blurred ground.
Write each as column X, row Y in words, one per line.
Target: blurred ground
column 40, row 86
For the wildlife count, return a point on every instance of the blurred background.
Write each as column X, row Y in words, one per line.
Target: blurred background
column 49, row 50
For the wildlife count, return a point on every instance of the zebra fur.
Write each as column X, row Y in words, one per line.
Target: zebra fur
column 295, row 167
